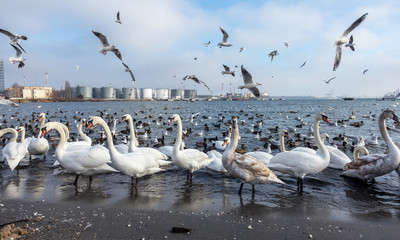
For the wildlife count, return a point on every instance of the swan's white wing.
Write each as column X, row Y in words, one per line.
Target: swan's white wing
column 355, row 24
column 337, row 57
column 103, row 39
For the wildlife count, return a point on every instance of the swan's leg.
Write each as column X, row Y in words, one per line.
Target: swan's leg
column 252, row 189
column 44, row 157
column 191, row 175
column 76, row 180
column 240, row 189
column 90, row 180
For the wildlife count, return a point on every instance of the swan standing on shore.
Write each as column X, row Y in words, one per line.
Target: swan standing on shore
column 13, row 152
column 244, row 167
column 132, row 164
column 375, row 165
column 189, row 159
column 159, row 156
column 301, row 162
column 39, row 145
column 86, row 161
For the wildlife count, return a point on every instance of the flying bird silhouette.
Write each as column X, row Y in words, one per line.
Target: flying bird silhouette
column 17, row 58
column 327, row 81
column 365, row 71
column 345, row 40
column 106, row 45
column 227, row 70
column 118, row 19
column 273, row 54
column 286, row 44
column 194, row 78
column 248, row 82
column 14, row 38
column 224, row 42
column 302, row 65
column 127, row 69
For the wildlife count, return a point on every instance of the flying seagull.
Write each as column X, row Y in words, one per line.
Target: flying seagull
column 365, row 71
column 77, row 68
column 248, row 82
column 118, row 19
column 302, row 65
column 242, row 49
column 224, row 42
column 327, row 81
column 17, row 57
column 350, row 44
column 106, row 45
column 207, row 44
column 273, row 54
column 227, row 70
column 345, row 40
column 6, row 101
column 194, row 78
column 286, row 44
column 127, row 69
column 14, row 38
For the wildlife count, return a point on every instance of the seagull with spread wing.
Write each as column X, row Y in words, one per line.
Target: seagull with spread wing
column 194, row 78
column 118, row 19
column 227, row 70
column 224, row 42
column 14, row 38
column 17, row 58
column 248, row 82
column 345, row 40
column 127, row 69
column 327, row 81
column 106, row 45
column 273, row 54
column 6, row 101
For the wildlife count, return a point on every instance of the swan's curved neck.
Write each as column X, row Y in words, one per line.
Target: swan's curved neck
column 12, row 131
column 63, row 139
column 42, row 124
column 282, row 142
column 230, row 149
column 110, row 142
column 23, row 135
column 133, row 140
column 385, row 135
column 83, row 135
column 178, row 140
column 317, row 137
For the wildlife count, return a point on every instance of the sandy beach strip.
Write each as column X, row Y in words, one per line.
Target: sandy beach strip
column 43, row 220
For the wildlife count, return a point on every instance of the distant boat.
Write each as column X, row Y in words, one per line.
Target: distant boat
column 391, row 95
column 348, row 98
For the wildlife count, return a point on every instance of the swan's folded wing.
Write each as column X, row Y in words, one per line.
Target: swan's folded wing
column 93, row 157
column 250, row 163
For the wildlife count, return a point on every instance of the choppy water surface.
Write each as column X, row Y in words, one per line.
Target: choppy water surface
column 39, row 180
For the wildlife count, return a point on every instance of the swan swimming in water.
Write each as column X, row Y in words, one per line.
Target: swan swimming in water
column 244, row 167
column 375, row 165
column 300, row 162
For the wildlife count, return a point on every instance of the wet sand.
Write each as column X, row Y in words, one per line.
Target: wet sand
column 249, row 221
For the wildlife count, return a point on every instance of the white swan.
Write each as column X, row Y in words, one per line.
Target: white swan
column 189, row 159
column 300, row 161
column 38, row 145
column 244, row 167
column 13, row 152
column 337, row 158
column 375, row 165
column 24, row 141
column 159, row 156
column 86, row 161
column 132, row 164
column 216, row 164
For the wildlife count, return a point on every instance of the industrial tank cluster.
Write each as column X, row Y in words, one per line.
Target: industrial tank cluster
column 129, row 93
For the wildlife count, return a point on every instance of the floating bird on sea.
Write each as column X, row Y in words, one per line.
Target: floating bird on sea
column 106, row 45
column 330, row 79
column 227, row 70
column 17, row 57
column 273, row 54
column 344, row 40
column 14, row 38
column 302, row 65
column 286, row 44
column 127, row 69
column 365, row 71
column 194, row 78
column 118, row 19
column 242, row 49
column 224, row 42
column 248, row 82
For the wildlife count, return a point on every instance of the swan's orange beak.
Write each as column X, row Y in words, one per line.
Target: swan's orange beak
column 89, row 125
column 40, row 118
column 123, row 119
column 43, row 132
column 287, row 135
column 325, row 118
column 171, row 121
column 19, row 130
column 83, row 124
column 224, row 143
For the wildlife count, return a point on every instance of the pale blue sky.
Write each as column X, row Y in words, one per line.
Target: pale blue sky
column 159, row 39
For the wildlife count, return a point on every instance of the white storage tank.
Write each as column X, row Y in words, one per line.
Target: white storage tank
column 107, row 93
column 161, row 93
column 96, row 92
column 126, row 93
column 147, row 93
column 85, row 92
column 176, row 93
column 190, row 93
